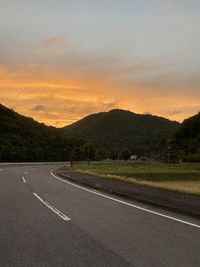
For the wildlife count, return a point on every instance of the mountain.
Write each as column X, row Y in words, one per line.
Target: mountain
column 117, row 129
column 100, row 135
column 23, row 139
column 185, row 144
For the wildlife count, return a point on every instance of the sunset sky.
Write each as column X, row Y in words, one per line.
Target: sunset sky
column 62, row 60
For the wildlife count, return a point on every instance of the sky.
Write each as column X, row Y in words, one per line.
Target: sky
column 62, row 60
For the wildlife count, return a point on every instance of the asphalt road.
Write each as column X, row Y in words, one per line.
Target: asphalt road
column 47, row 221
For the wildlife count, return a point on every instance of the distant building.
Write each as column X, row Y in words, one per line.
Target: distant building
column 133, row 157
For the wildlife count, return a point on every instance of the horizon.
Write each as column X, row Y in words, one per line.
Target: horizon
column 60, row 62
column 125, row 110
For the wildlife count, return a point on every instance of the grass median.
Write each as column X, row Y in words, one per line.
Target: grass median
column 183, row 178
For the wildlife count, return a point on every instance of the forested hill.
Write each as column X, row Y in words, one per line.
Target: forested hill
column 117, row 129
column 186, row 142
column 23, row 139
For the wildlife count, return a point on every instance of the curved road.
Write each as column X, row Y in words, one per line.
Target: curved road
column 48, row 221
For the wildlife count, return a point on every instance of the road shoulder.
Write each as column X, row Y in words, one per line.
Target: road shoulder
column 173, row 201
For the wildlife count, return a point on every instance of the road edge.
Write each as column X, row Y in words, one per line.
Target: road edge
column 141, row 197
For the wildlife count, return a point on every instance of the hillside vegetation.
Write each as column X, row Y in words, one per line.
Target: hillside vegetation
column 117, row 129
column 23, row 139
column 113, row 134
column 185, row 144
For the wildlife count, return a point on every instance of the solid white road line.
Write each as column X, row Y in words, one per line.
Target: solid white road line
column 56, row 211
column 23, row 179
column 125, row 203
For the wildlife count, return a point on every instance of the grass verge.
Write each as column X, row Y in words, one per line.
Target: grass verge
column 183, row 178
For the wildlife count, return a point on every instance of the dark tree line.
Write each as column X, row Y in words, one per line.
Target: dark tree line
column 110, row 135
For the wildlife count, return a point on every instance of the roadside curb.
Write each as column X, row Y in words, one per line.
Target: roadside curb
column 172, row 201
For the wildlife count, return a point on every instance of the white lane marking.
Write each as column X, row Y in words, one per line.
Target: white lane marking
column 23, row 179
column 56, row 211
column 0, row 170
column 126, row 203
column 26, row 172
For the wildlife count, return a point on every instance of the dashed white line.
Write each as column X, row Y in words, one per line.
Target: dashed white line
column 23, row 179
column 56, row 211
column 126, row 203
column 26, row 172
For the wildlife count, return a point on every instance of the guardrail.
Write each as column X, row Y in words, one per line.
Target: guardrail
column 34, row 163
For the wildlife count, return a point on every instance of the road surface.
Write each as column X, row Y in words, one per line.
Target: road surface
column 48, row 221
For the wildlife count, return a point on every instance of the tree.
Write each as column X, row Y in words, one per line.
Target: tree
column 101, row 153
column 114, row 154
column 125, row 154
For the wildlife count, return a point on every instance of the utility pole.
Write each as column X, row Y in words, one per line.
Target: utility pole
column 87, row 144
column 88, row 154
column 168, row 150
column 118, row 157
column 64, row 149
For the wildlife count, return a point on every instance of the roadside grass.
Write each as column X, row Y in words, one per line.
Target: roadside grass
column 189, row 187
column 176, row 177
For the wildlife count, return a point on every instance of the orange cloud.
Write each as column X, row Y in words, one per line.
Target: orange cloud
column 59, row 92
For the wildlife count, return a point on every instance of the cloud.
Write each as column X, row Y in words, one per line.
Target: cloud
column 54, row 43
column 74, row 110
column 38, row 108
column 69, row 86
column 51, row 41
column 175, row 112
column 56, row 106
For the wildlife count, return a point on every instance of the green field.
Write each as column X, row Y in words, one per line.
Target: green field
column 177, row 177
